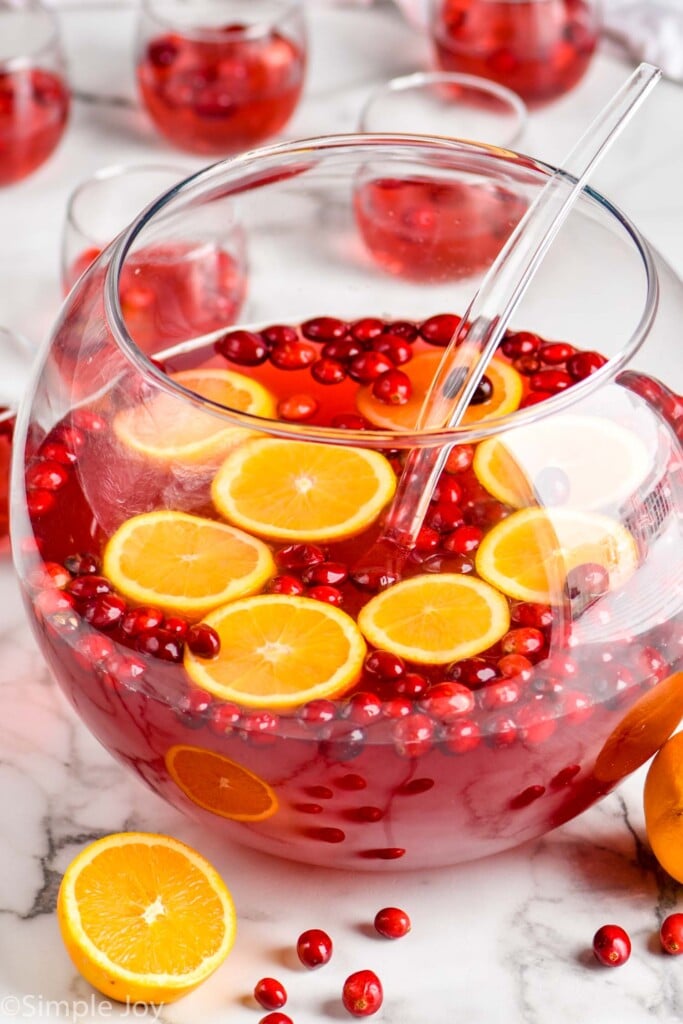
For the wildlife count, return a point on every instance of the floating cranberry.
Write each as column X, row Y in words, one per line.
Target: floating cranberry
column 502, row 731
column 539, row 616
column 352, row 783
column 445, row 517
column 561, row 665
column 427, row 539
column 160, row 643
column 397, row 707
column 486, row 514
column 362, row 993
column 291, row 585
column 318, row 712
column 326, row 594
column 224, row 718
column 279, row 334
column 464, row 540
column 368, row 366
column 393, row 387
column 438, row 330
column 364, row 815
column 326, row 834
column 537, row 721
column 526, row 797
column 325, row 573
column 105, row 611
column 246, row 348
column 550, row 380
column 383, row 853
column 348, row 421
column 194, row 707
column 92, row 650
column 583, row 364
column 137, row 620
column 203, row 640
column 652, row 664
column 555, row 353
column 526, row 641
column 126, row 669
column 276, row 1018
column 396, row 348
column 410, row 684
column 297, row 408
column 535, row 398
column 413, row 735
column 320, row 792
column 374, row 578
column 363, row 708
column 342, row 351
column 47, row 474
column 483, row 392
column 49, row 574
column 577, row 706
column 448, row 490
column 57, row 452
column 177, row 626
column 500, row 695
column 587, row 582
column 293, row 355
column 259, row 727
column 527, row 365
column 39, row 503
column 611, row 945
column 161, row 53
column 296, row 557
column 89, row 421
column 671, row 934
column 473, row 672
column 447, row 701
column 314, row 948
column 328, row 371
column 515, row 666
column 270, row 994
column 402, row 328
column 459, row 458
column 82, row 564
column 324, row 328
column 70, row 436
column 520, row 343
column 367, row 328
column 84, row 588
column 565, row 776
column 341, row 741
column 305, row 808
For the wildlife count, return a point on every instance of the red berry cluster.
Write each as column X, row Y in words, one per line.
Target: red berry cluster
column 362, row 993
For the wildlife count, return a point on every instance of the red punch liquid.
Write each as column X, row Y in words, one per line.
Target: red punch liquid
column 34, row 107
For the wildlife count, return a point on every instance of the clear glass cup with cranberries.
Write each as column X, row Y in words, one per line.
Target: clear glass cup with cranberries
column 34, row 93
column 193, row 526
column 220, row 76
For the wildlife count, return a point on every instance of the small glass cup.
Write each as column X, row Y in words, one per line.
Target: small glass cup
column 34, row 95
column 422, row 225
column 183, row 283
column 16, row 358
column 218, row 76
column 539, row 48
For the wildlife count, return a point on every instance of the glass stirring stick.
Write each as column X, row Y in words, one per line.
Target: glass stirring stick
column 476, row 340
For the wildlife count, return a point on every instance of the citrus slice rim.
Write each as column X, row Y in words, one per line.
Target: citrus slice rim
column 169, row 760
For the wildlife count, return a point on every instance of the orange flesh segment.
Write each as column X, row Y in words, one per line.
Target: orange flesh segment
column 220, row 785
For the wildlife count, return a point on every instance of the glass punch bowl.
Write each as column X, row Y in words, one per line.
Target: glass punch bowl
column 195, row 521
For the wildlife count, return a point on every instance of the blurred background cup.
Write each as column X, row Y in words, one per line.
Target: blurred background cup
column 34, row 95
column 422, row 224
column 539, row 48
column 219, row 76
column 190, row 280
column 16, row 358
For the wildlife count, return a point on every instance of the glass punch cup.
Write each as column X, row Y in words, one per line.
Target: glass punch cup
column 218, row 606
column 220, row 76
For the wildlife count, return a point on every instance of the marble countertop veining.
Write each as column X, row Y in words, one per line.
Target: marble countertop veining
column 502, row 941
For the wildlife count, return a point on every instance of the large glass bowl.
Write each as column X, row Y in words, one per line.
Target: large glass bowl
column 515, row 665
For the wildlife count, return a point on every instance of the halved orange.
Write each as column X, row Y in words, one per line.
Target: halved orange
column 171, row 429
column 436, row 619
column 184, row 563
column 528, row 555
column 144, row 917
column 506, row 396
column 220, row 785
column 602, row 461
column 279, row 651
column 299, row 490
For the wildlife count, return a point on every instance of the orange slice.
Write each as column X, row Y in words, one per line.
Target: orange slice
column 603, row 463
column 298, row 490
column 507, row 394
column 528, row 555
column 436, row 619
column 663, row 805
column 185, row 563
column 279, row 651
column 171, row 429
column 144, row 917
column 220, row 785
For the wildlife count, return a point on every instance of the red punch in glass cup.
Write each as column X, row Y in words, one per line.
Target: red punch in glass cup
column 34, row 96
column 219, row 76
column 538, row 48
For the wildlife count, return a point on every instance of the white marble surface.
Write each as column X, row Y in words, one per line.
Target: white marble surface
column 503, row 941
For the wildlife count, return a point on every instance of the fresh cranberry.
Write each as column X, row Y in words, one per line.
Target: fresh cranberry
column 296, row 557
column 671, row 934
column 539, row 616
column 438, row 330
column 297, row 408
column 49, row 574
column 160, row 643
column 500, row 695
column 526, row 641
column 293, row 355
column 224, row 718
column 555, row 353
column 39, row 503
column 393, row 387
column 161, row 53
column 259, row 727
column 342, row 351
column 365, row 815
column 348, row 421
column 55, row 451
column 464, row 540
column 363, row 708
column 384, row 665
column 446, row 701
column 328, row 371
column 362, row 993
column 84, row 588
column 427, row 539
column 325, row 573
column 401, row 328
column 279, row 334
column 515, row 666
column 410, row 684
column 320, row 792
column 374, row 578
column 520, row 343
column 561, row 665
column 397, row 707
column 351, row 782
column 93, row 649
column 52, row 602
column 194, row 707
column 587, row 582
column 341, row 741
column 46, row 474
column 565, row 776
column 81, row 565
column 413, row 735
column 577, row 706
column 318, row 712
column 246, row 348
column 537, row 721
column 483, row 392
column 526, row 797
column 583, row 364
column 291, row 585
column 383, row 853
column 397, row 349
column 550, row 380
column 527, row 365
column 611, row 945
column 535, row 398
column 89, row 421
column 445, row 517
column 473, row 672
column 70, row 436
column 367, row 328
column 652, row 664
column 448, row 490
column 459, row 458
column 177, row 626
column 326, row 594
column 368, row 366
column 106, row 611
column 502, row 731
column 203, row 640
column 137, row 620
column 276, row 1018
column 324, row 328
column 314, row 948
column 486, row 514
column 270, row 994
column 326, row 834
